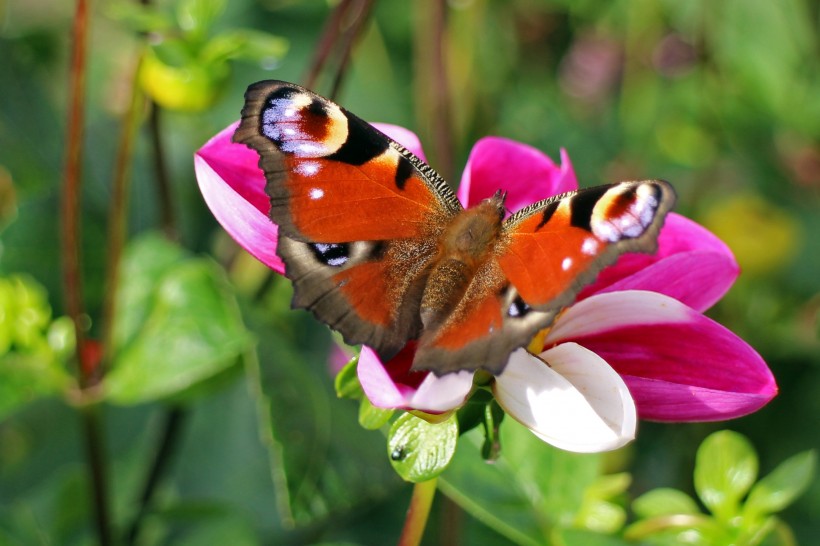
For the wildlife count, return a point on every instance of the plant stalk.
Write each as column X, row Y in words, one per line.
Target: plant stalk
column 417, row 513
column 87, row 375
column 118, row 215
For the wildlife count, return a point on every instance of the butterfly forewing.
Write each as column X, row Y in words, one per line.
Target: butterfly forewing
column 576, row 235
column 332, row 177
column 358, row 214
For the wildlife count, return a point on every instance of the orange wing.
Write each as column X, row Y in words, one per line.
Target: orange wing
column 555, row 247
column 359, row 215
column 333, row 178
column 547, row 253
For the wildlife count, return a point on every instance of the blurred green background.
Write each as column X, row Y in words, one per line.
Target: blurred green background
column 721, row 98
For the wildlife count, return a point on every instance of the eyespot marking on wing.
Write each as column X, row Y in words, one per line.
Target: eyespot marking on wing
column 302, row 125
column 625, row 212
column 331, row 254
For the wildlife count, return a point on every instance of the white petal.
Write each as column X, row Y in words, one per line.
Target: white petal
column 603, row 312
column 577, row 402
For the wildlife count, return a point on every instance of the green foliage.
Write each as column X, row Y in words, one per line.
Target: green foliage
column 186, row 66
column 420, row 450
column 178, row 324
column 725, row 471
column 34, row 348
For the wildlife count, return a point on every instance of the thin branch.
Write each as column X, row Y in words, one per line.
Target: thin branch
column 118, row 214
column 442, row 120
column 339, row 36
column 72, row 180
column 328, row 39
column 72, row 271
column 351, row 36
column 168, row 221
column 174, row 420
column 417, row 513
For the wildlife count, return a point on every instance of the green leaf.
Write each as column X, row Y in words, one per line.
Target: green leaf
column 139, row 17
column 783, row 485
column 664, row 502
column 371, row 417
column 322, row 461
column 190, row 329
column 725, row 469
column 601, row 516
column 580, row 537
column 245, row 44
column 197, row 16
column 347, row 381
column 609, row 486
column 531, row 488
column 598, row 512
column 420, row 450
column 33, row 350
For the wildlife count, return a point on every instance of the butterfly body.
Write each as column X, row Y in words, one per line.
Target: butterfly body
column 379, row 248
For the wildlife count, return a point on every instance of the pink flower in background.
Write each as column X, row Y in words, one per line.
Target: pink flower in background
column 635, row 344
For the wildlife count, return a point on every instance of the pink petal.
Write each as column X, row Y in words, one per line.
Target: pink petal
column 692, row 265
column 679, row 364
column 405, row 137
column 245, row 222
column 527, row 174
column 238, row 166
column 392, row 385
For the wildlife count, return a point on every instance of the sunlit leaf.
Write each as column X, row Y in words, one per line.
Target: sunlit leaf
column 420, row 450
column 190, row 331
column 777, row 490
column 664, row 502
column 725, row 469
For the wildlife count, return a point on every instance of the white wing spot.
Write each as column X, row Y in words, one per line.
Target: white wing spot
column 566, row 264
column 307, row 168
column 317, row 193
column 589, row 246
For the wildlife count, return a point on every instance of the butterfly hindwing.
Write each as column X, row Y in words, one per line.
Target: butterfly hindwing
column 546, row 254
column 358, row 214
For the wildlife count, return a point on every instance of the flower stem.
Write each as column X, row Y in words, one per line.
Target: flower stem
column 340, row 33
column 118, row 214
column 95, row 452
column 72, row 177
column 72, row 271
column 432, row 82
column 416, row 520
column 166, row 203
column 174, row 420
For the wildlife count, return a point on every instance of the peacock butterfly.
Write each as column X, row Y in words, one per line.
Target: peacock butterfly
column 378, row 247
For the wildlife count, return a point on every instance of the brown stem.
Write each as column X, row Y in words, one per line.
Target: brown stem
column 339, row 36
column 417, row 513
column 174, row 420
column 95, row 452
column 72, row 178
column 352, row 34
column 118, row 215
column 166, row 202
column 324, row 48
column 442, row 121
column 431, row 83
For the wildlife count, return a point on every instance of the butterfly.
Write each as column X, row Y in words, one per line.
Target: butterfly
column 379, row 248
